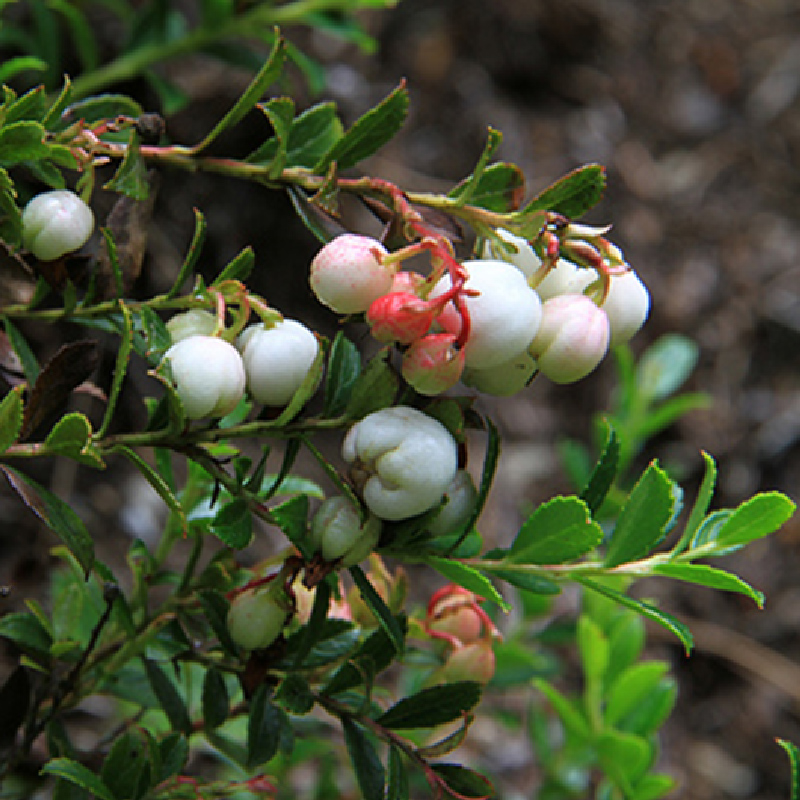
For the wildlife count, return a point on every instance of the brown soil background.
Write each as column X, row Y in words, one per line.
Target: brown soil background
column 694, row 107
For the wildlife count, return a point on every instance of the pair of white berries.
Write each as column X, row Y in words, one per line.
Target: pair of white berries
column 211, row 375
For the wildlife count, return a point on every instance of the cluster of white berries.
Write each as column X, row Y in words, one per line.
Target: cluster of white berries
column 211, row 375
column 523, row 318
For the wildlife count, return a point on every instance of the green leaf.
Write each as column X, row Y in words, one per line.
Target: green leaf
column 313, row 629
column 192, row 254
column 168, row 697
column 374, row 389
column 537, row 584
column 10, row 214
column 32, row 105
column 76, row 773
column 233, row 524
column 265, row 77
column 280, row 112
column 378, row 607
column 85, row 45
column 295, row 695
column 30, row 366
column 130, row 178
column 27, row 631
column 313, row 134
column 22, row 141
column 336, row 640
column 593, row 648
column 12, row 67
column 71, row 436
column 433, row 706
column 344, row 367
column 100, row 107
column 645, row 609
column 239, row 268
column 462, row 782
column 572, row 719
column 10, row 418
column 603, row 474
column 623, row 756
column 574, row 194
column 56, row 514
column 644, row 518
column 468, row 577
column 654, row 786
column 755, row 518
column 126, row 769
column 558, row 531
column 700, row 507
column 368, row 133
column 632, row 687
column 215, row 607
column 292, row 518
column 120, row 365
column 793, row 753
column 174, row 753
column 467, row 188
column 264, row 724
column 368, row 768
column 216, row 704
column 666, row 365
column 397, row 778
column 703, row 575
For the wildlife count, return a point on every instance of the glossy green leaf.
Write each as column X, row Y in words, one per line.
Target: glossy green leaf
column 264, row 723
column 31, row 105
column 30, row 366
column 120, row 366
column 27, row 632
column 239, row 268
column 468, row 577
column 374, row 389
column 192, row 255
column 22, row 141
column 593, row 648
column 537, row 584
column 572, row 719
column 646, row 610
column 215, row 607
column 216, row 703
column 574, row 194
column 126, row 769
column 366, row 764
column 100, row 107
column 666, row 365
column 755, row 518
column 233, row 524
column 558, row 531
column 703, row 575
column 623, row 756
column 793, row 753
column 378, row 607
column 169, row 697
column 632, row 687
column 174, row 752
column 10, row 417
column 292, row 518
column 265, row 77
column 433, row 706
column 56, row 514
column 295, row 695
column 71, row 437
column 76, row 773
column 313, row 629
column 500, row 189
column 14, row 66
column 603, row 474
column 344, row 367
column 336, row 639
column 368, row 133
column 280, row 113
column 130, row 179
column 644, row 517
column 700, row 506
column 461, row 782
column 654, row 786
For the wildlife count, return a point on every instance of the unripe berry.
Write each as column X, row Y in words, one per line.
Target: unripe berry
column 504, row 315
column 572, row 339
column 454, row 612
column 504, row 379
column 400, row 317
column 277, row 359
column 347, row 273
column 403, row 461
column 520, row 253
column 208, row 375
column 461, row 496
column 194, row 322
column 257, row 616
column 627, row 305
column 472, row 662
column 55, row 223
column 433, row 364
column 339, row 535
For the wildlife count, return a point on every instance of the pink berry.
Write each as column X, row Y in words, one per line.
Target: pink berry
column 433, row 364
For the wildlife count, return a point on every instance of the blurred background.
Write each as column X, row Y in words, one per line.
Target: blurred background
column 694, row 108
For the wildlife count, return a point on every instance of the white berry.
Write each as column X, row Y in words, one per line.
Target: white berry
column 502, row 380
column 504, row 314
column 338, row 533
column 461, row 496
column 194, row 322
column 403, row 461
column 627, row 305
column 55, row 223
column 277, row 359
column 513, row 249
column 347, row 273
column 208, row 374
column 256, row 618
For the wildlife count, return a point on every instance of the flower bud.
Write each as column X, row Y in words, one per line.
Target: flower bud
column 403, row 461
column 460, row 498
column 572, row 339
column 407, row 281
column 400, row 317
column 277, row 359
column 347, row 273
column 433, row 364
column 208, row 375
column 504, row 314
column 627, row 305
column 257, row 616
column 339, row 535
column 194, row 322
column 504, row 379
column 472, row 662
column 453, row 613
column 55, row 223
